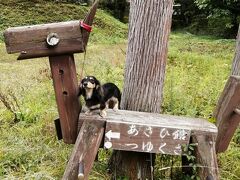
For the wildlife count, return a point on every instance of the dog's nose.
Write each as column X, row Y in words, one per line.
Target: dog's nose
column 85, row 84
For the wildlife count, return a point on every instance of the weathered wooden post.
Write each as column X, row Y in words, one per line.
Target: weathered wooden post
column 59, row 41
column 227, row 111
column 85, row 149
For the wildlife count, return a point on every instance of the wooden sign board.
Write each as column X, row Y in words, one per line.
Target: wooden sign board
column 145, row 138
column 150, row 132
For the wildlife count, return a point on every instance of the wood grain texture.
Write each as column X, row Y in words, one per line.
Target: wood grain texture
column 203, row 131
column 85, row 148
column 147, row 132
column 227, row 119
column 149, row 29
column 236, row 59
column 206, row 157
column 198, row 126
column 145, row 138
column 66, row 90
column 30, row 41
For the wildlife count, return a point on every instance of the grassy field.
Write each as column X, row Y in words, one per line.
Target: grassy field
column 197, row 70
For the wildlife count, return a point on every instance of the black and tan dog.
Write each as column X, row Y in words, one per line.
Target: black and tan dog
column 99, row 96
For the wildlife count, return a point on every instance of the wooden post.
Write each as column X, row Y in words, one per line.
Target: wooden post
column 206, row 157
column 227, row 110
column 85, row 149
column 66, row 91
column 227, row 114
column 59, row 41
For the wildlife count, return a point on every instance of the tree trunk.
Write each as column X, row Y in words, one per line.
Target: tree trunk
column 236, row 60
column 149, row 29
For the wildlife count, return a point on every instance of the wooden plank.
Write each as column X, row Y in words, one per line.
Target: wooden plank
column 66, row 90
column 145, row 138
column 225, row 137
column 85, row 148
column 227, row 119
column 30, row 41
column 122, row 121
column 206, row 156
column 197, row 125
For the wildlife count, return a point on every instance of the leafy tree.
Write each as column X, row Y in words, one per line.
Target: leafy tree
column 223, row 15
column 185, row 13
column 118, row 8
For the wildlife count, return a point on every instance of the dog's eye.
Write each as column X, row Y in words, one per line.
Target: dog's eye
column 92, row 81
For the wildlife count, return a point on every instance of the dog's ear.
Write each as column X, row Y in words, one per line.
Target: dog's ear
column 80, row 89
column 98, row 85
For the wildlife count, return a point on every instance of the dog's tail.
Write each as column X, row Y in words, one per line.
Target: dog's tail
column 118, row 96
column 119, row 100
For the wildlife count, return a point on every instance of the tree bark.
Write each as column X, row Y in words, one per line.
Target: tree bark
column 149, row 29
column 236, row 60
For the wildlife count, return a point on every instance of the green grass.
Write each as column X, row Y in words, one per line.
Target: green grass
column 197, row 70
column 29, row 149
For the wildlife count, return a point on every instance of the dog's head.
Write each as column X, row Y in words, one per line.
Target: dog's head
column 88, row 84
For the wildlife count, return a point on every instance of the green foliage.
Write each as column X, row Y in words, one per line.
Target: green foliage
column 188, row 152
column 216, row 17
column 236, row 138
column 223, row 16
column 118, row 8
column 220, row 22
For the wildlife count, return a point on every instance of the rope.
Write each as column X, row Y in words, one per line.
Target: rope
column 151, row 162
column 83, row 63
column 84, row 56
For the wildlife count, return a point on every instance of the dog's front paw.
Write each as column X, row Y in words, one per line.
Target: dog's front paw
column 88, row 113
column 115, row 108
column 103, row 113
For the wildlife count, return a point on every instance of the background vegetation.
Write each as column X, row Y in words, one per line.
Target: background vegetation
column 216, row 17
column 197, row 70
